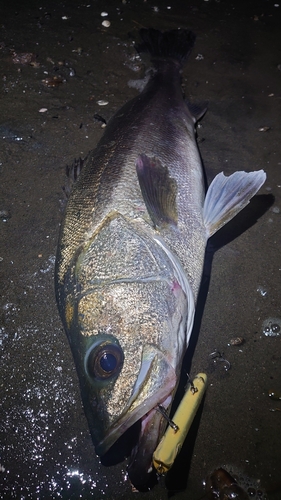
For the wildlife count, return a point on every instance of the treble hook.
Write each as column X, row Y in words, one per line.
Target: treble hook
column 163, row 412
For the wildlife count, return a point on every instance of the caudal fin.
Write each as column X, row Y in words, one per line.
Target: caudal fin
column 227, row 196
column 173, row 44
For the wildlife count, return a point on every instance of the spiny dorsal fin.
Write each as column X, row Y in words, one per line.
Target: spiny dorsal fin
column 227, row 196
column 159, row 190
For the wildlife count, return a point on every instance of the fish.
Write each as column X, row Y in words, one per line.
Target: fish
column 131, row 252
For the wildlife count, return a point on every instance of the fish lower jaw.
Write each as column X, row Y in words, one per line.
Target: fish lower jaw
column 140, row 469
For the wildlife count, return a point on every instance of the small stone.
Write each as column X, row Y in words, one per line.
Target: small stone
column 106, row 24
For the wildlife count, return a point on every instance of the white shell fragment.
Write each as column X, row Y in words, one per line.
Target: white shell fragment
column 43, row 110
column 264, row 129
column 104, row 14
column 102, row 103
column 106, row 24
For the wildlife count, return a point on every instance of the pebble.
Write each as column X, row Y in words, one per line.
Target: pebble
column 106, row 24
column 104, row 14
column 43, row 110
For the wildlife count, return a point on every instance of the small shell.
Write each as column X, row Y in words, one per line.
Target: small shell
column 264, row 129
column 104, row 14
column 236, row 341
column 102, row 103
column 106, row 23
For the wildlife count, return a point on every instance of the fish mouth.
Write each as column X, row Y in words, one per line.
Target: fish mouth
column 155, row 386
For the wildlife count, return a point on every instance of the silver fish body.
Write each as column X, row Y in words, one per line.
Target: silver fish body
column 131, row 253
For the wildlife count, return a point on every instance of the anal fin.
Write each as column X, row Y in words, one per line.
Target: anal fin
column 227, row 196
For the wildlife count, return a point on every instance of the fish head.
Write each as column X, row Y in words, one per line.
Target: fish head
column 125, row 314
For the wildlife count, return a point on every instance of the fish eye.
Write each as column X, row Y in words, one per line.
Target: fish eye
column 104, row 361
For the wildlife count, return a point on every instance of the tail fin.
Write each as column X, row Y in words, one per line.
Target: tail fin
column 174, row 44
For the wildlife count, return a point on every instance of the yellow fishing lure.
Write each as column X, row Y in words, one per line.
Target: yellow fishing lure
column 173, row 439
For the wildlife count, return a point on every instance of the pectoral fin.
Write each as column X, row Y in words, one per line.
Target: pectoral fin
column 227, row 196
column 158, row 189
